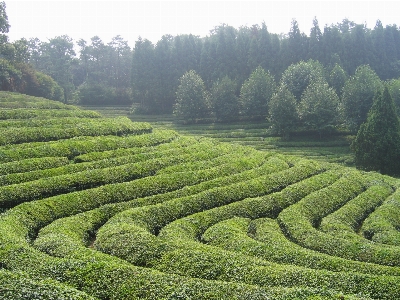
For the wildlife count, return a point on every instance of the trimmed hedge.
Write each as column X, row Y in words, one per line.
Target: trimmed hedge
column 346, row 220
column 16, row 285
column 152, row 218
column 298, row 222
column 22, row 113
column 153, row 153
column 46, row 122
column 32, row 164
column 12, row 195
column 79, row 227
column 382, row 226
column 116, row 126
column 80, row 145
column 263, row 238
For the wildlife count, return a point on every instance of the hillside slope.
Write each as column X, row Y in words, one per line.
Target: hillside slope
column 105, row 208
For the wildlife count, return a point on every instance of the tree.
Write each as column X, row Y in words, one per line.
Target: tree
column 143, row 76
column 298, row 76
column 4, row 25
column 256, row 93
column 318, row 107
column 377, row 144
column 357, row 97
column 55, row 58
column 282, row 111
column 224, row 100
column 192, row 101
column 337, row 79
column 394, row 89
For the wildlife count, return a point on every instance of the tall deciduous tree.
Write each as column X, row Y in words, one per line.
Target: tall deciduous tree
column 377, row 145
column 144, row 76
column 282, row 111
column 192, row 101
column 318, row 107
column 394, row 89
column 225, row 103
column 256, row 93
column 297, row 77
column 358, row 94
column 337, row 79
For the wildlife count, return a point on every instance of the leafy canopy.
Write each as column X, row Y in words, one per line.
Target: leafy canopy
column 282, row 111
column 377, row 145
column 256, row 92
column 192, row 101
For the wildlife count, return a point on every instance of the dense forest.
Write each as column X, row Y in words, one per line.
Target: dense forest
column 348, row 58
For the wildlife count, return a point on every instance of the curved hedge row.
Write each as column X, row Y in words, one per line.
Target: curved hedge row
column 117, row 126
column 80, row 145
column 152, row 153
column 159, row 216
column 383, row 225
column 32, row 164
column 12, row 195
column 298, row 222
column 22, row 113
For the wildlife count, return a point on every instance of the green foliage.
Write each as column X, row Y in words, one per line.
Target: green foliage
column 298, row 76
column 256, row 93
column 377, row 144
column 381, row 226
column 337, row 79
column 357, row 96
column 318, row 107
column 283, row 111
column 192, row 100
column 154, row 215
column 225, row 103
column 394, row 89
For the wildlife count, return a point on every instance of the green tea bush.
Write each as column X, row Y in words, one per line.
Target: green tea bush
column 382, row 225
column 154, row 215
column 118, row 126
column 298, row 222
column 33, row 164
column 263, row 238
column 80, row 145
column 23, row 113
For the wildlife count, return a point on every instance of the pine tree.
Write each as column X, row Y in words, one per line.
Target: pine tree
column 377, row 145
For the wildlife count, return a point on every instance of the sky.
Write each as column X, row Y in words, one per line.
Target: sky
column 153, row 19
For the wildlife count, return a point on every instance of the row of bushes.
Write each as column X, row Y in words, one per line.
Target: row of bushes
column 183, row 256
column 81, row 226
column 298, row 222
column 383, row 224
column 23, row 113
column 116, row 126
column 18, row 285
column 12, row 195
column 32, row 164
column 263, row 238
column 16, row 100
column 111, row 278
column 39, row 122
column 347, row 220
column 137, row 225
column 152, row 152
column 73, row 147
column 278, row 293
column 180, row 141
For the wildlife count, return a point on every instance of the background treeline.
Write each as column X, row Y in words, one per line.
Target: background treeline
column 236, row 53
column 97, row 72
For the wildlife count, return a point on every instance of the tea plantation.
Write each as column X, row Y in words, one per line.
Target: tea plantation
column 106, row 208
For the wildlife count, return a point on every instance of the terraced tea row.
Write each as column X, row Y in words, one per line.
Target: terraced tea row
column 155, row 215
